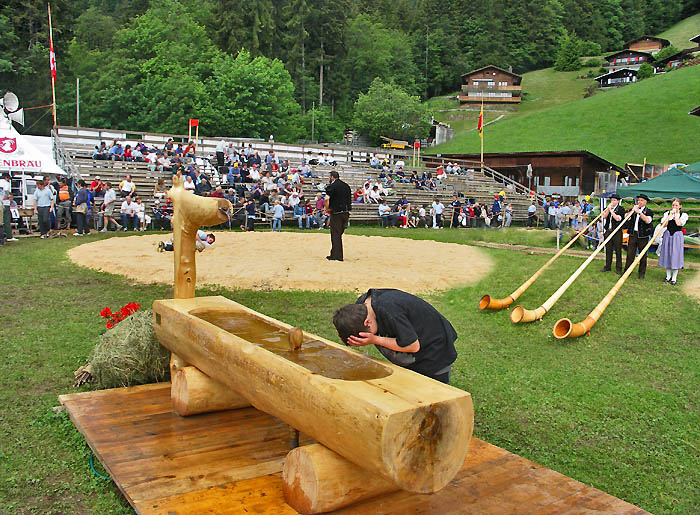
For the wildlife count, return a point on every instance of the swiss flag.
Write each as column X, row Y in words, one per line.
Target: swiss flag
column 52, row 60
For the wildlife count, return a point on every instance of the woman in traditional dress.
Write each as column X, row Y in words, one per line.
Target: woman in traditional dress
column 671, row 251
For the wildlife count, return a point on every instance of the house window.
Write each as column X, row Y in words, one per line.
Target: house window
column 502, row 83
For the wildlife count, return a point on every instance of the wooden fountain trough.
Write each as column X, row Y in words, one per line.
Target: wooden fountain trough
column 410, row 430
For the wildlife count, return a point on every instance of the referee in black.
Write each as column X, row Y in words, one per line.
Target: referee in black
column 338, row 206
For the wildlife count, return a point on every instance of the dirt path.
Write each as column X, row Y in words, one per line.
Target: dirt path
column 296, row 261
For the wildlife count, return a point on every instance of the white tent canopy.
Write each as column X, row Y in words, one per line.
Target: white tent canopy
column 19, row 155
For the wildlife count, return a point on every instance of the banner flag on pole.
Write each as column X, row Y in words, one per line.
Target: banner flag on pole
column 481, row 122
column 52, row 54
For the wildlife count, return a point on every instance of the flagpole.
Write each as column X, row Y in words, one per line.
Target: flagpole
column 53, row 74
column 482, row 134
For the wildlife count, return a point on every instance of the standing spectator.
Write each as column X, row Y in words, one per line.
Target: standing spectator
column 5, row 192
column 80, row 208
column 300, row 215
column 127, row 187
column 531, row 214
column 144, row 219
column 422, row 216
column 456, row 206
column 64, row 203
column 108, row 207
column 438, row 208
column 496, row 212
column 509, row 215
column 338, row 205
column 565, row 213
column 552, row 213
column 545, row 208
column 277, row 216
column 43, row 204
column 129, row 214
column 250, row 214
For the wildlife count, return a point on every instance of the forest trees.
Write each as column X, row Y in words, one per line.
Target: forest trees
column 152, row 64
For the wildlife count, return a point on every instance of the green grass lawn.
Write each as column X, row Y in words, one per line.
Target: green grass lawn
column 682, row 31
column 619, row 410
column 648, row 119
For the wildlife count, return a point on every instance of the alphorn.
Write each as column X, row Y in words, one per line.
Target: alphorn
column 520, row 314
column 488, row 302
column 564, row 328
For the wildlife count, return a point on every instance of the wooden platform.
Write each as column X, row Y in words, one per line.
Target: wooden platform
column 230, row 462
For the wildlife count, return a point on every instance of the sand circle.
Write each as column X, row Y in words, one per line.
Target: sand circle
column 296, row 261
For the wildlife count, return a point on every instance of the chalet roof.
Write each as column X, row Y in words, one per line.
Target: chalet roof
column 626, row 51
column 679, row 55
column 495, row 68
column 664, row 42
column 695, row 112
column 617, row 72
column 695, row 39
column 542, row 153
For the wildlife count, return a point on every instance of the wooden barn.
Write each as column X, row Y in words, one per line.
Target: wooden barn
column 491, row 84
column 566, row 173
column 649, row 44
column 630, row 59
column 617, row 78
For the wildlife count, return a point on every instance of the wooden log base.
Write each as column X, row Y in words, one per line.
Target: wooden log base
column 230, row 462
column 194, row 393
column 316, row 480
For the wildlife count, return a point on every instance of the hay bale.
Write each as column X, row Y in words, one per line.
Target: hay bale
column 129, row 354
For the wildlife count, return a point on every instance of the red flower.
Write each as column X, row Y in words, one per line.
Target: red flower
column 118, row 316
column 110, row 325
column 106, row 312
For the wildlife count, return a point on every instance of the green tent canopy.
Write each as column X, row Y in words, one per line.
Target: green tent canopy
column 672, row 184
column 694, row 168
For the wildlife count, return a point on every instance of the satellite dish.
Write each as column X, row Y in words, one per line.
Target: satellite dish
column 17, row 116
column 10, row 102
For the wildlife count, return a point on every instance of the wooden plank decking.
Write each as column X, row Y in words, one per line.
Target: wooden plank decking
column 230, row 462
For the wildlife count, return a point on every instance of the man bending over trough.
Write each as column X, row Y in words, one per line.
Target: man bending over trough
column 407, row 330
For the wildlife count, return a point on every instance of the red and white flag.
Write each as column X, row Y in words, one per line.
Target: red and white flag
column 52, row 60
column 481, row 122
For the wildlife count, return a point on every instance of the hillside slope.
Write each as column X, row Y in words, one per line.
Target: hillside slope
column 647, row 119
column 682, row 31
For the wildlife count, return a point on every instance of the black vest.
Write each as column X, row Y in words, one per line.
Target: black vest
column 644, row 229
column 673, row 227
column 610, row 224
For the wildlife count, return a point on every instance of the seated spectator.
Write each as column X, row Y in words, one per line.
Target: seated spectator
column 218, row 192
column 190, row 151
column 127, row 187
column 374, row 196
column 456, row 169
column 160, row 190
column 230, row 195
column 163, row 162
column 127, row 154
column 144, row 219
column 101, row 152
column 137, row 155
column 254, row 174
column 168, row 148
column 300, row 215
column 234, row 174
column 129, row 212
column 402, row 217
column 388, row 219
column 116, row 153
column 189, row 184
column 358, row 195
column 97, row 186
column 161, row 217
column 179, row 151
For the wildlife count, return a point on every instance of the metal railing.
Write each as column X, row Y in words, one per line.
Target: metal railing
column 63, row 158
column 519, row 188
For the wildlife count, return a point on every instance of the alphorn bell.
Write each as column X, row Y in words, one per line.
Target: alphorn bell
column 488, row 302
column 520, row 314
column 564, row 328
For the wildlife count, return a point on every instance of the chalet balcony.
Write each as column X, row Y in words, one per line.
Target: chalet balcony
column 490, row 99
column 516, row 90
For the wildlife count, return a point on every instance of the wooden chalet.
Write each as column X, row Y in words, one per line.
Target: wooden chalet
column 566, row 173
column 649, row 44
column 617, row 78
column 630, row 59
column 491, row 84
column 672, row 61
column 695, row 39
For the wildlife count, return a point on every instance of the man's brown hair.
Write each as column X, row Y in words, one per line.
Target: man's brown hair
column 350, row 321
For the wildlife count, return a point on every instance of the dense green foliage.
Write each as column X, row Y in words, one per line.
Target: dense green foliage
column 153, row 64
column 387, row 110
column 647, row 119
column 616, row 410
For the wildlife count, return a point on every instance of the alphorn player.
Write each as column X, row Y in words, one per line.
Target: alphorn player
column 407, row 330
column 639, row 228
column 612, row 217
